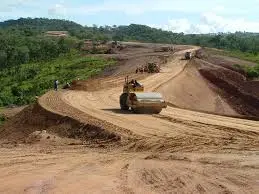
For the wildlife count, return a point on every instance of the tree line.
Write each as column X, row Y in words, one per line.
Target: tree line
column 23, row 38
column 29, row 60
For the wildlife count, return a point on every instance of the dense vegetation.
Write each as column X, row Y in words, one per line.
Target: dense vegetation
column 245, row 42
column 30, row 61
column 20, row 84
column 17, row 47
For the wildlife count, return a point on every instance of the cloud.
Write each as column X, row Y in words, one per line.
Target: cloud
column 143, row 6
column 58, row 9
column 134, row 7
column 211, row 23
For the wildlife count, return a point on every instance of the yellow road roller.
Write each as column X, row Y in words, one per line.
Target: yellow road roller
column 134, row 98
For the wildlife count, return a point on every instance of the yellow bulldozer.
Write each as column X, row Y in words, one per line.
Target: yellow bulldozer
column 134, row 98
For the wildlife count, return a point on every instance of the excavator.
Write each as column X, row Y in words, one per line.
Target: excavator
column 134, row 98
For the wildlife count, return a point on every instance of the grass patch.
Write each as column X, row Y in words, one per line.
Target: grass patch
column 244, row 56
column 20, row 84
column 252, row 72
column 253, row 57
column 2, row 119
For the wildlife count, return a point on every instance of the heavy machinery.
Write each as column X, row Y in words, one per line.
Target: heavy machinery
column 134, row 98
column 164, row 49
column 114, row 47
column 150, row 68
column 188, row 55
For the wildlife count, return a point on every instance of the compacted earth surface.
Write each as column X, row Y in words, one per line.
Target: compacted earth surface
column 79, row 141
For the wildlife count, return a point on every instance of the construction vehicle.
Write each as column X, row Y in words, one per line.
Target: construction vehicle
column 149, row 68
column 164, row 49
column 188, row 55
column 164, row 58
column 134, row 98
column 114, row 47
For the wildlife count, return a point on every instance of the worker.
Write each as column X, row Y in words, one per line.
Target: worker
column 56, row 85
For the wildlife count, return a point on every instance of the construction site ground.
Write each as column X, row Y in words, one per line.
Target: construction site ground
column 79, row 141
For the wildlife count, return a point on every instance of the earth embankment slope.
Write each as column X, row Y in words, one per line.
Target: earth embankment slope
column 184, row 151
column 182, row 85
column 104, row 105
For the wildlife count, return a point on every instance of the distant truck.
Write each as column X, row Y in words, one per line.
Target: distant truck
column 188, row 55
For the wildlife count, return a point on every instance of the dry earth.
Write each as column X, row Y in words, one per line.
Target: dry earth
column 177, row 151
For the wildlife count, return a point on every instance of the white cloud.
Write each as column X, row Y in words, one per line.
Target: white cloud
column 212, row 23
column 58, row 9
column 142, row 6
column 183, row 6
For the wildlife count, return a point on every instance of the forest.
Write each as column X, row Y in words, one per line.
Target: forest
column 30, row 60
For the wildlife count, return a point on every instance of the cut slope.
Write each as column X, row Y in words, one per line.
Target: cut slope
column 191, row 91
column 242, row 95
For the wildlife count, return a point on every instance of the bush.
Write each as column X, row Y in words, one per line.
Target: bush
column 2, row 119
column 251, row 71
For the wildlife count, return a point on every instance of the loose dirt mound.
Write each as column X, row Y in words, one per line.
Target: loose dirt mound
column 33, row 119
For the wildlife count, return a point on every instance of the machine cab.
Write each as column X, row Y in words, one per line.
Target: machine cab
column 132, row 86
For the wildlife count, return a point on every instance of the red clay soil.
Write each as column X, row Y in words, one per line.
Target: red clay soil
column 177, row 151
column 241, row 94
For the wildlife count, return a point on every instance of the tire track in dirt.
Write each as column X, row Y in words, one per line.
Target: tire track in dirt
column 174, row 129
column 178, row 151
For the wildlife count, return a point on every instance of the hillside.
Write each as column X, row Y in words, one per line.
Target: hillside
column 80, row 140
column 20, row 85
column 245, row 42
column 25, row 51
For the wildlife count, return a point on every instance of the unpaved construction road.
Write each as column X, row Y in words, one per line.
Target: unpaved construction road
column 177, row 151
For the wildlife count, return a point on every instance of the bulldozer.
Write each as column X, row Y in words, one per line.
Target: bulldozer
column 134, row 98
column 149, row 68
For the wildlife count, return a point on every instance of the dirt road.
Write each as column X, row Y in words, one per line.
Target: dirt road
column 192, row 128
column 80, row 170
column 177, row 151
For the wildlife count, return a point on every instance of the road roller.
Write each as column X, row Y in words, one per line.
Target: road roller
column 136, row 99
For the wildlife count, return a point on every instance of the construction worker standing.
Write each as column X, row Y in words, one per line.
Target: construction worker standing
column 56, row 85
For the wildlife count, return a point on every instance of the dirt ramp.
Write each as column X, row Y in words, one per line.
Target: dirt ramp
column 191, row 91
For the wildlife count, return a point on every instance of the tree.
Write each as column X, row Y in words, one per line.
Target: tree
column 23, row 54
column 3, row 58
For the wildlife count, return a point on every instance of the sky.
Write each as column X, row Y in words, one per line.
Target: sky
column 187, row 16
